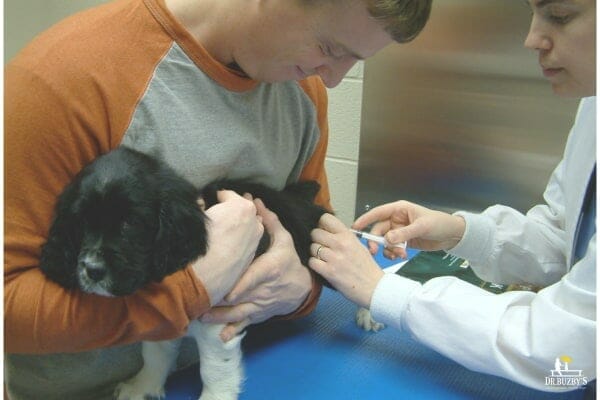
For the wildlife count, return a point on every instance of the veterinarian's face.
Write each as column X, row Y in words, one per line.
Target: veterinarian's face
column 564, row 34
column 293, row 41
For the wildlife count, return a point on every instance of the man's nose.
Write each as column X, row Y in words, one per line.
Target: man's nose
column 333, row 72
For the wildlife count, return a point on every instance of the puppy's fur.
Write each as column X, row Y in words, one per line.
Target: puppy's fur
column 127, row 220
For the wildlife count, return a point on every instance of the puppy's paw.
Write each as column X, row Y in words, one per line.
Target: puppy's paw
column 366, row 321
column 136, row 390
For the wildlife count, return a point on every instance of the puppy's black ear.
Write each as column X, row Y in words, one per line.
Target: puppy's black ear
column 60, row 253
column 182, row 235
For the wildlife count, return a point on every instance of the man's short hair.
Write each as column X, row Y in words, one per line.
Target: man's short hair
column 402, row 19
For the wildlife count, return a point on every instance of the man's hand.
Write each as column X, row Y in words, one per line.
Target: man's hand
column 276, row 283
column 234, row 231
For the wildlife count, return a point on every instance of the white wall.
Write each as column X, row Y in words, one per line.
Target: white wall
column 23, row 19
column 345, row 103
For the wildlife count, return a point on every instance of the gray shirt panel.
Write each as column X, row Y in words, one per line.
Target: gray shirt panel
column 266, row 134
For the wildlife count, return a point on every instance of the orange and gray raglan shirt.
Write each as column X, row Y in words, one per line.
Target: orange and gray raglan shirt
column 128, row 73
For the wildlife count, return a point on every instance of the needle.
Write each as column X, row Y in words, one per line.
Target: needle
column 378, row 239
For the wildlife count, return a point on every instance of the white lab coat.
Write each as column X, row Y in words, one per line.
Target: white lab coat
column 515, row 335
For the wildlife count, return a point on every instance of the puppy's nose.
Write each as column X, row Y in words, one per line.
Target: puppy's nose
column 95, row 272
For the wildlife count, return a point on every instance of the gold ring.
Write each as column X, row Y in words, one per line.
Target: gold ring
column 319, row 251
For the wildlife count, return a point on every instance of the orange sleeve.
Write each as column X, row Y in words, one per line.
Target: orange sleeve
column 56, row 121
column 41, row 156
column 315, row 168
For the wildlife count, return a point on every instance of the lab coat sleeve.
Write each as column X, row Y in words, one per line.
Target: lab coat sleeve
column 506, row 246
column 515, row 335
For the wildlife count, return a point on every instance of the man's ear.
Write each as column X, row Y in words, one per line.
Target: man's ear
column 182, row 236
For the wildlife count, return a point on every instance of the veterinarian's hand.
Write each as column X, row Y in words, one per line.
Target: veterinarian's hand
column 234, row 231
column 276, row 283
column 341, row 258
column 420, row 227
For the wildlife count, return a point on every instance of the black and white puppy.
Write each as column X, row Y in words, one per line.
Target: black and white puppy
column 128, row 219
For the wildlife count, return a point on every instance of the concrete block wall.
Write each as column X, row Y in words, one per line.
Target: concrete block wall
column 345, row 102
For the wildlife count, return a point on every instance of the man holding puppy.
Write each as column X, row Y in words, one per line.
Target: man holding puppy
column 216, row 88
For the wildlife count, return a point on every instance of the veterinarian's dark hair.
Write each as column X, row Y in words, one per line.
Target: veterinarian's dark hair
column 402, row 19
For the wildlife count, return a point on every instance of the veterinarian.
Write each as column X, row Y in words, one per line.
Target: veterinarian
column 515, row 335
column 216, row 88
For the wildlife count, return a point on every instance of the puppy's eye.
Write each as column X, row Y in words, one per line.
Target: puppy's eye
column 131, row 223
column 127, row 226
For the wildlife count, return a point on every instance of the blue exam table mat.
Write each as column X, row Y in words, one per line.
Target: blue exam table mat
column 327, row 356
